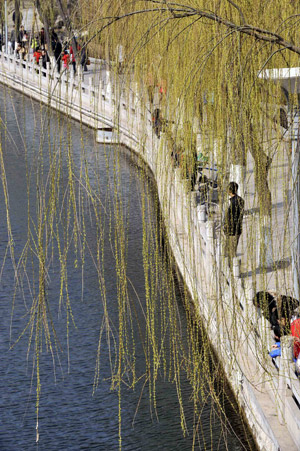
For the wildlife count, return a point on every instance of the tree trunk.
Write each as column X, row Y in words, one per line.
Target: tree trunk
column 17, row 19
column 261, row 169
column 45, row 21
column 68, row 26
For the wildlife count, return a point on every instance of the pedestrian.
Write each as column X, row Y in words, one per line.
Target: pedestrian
column 73, row 59
column 13, row 40
column 25, row 39
column 233, row 221
column 150, row 83
column 21, row 34
column 84, row 57
column 37, row 55
column 9, row 47
column 66, row 59
column 42, row 38
column 34, row 43
column 157, row 122
column 57, row 50
column 45, row 60
column 120, row 57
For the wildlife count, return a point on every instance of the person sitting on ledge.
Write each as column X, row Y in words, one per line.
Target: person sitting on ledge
column 282, row 328
column 283, row 313
column 275, row 307
column 266, row 301
column 287, row 328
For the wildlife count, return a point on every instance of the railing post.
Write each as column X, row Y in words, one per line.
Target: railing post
column 71, row 86
column 285, row 359
column 33, row 68
column 40, row 73
column 63, row 83
column 48, row 71
column 134, row 97
column 80, row 74
column 101, row 95
column 265, row 255
column 202, row 213
column 194, row 196
column 14, row 62
column 26, row 70
column 108, row 87
column 236, row 264
column 211, row 260
column 71, row 74
column 210, row 233
column 100, row 87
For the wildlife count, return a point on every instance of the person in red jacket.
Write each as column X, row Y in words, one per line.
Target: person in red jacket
column 73, row 59
column 37, row 54
column 66, row 59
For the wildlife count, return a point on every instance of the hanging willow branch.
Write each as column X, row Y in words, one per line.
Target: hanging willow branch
column 178, row 11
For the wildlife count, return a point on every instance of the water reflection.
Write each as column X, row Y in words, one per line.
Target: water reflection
column 72, row 414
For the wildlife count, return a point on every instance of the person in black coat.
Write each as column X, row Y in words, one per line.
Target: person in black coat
column 84, row 58
column 45, row 60
column 278, row 311
column 57, row 50
column 267, row 303
column 233, row 221
column 286, row 306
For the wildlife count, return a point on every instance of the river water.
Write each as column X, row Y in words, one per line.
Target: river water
column 74, row 412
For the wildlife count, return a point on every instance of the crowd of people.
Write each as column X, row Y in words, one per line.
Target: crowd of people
column 35, row 48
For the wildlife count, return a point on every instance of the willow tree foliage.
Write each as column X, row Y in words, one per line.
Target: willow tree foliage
column 205, row 59
column 209, row 54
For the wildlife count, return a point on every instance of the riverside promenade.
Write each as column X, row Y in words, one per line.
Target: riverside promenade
column 268, row 394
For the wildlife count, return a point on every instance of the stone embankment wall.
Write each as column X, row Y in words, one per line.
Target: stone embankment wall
column 269, row 396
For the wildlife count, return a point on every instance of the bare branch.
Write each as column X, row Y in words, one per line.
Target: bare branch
column 250, row 30
column 239, row 10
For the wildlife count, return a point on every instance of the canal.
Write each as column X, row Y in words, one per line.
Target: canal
column 92, row 316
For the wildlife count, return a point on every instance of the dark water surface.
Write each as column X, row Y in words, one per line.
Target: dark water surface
column 71, row 417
